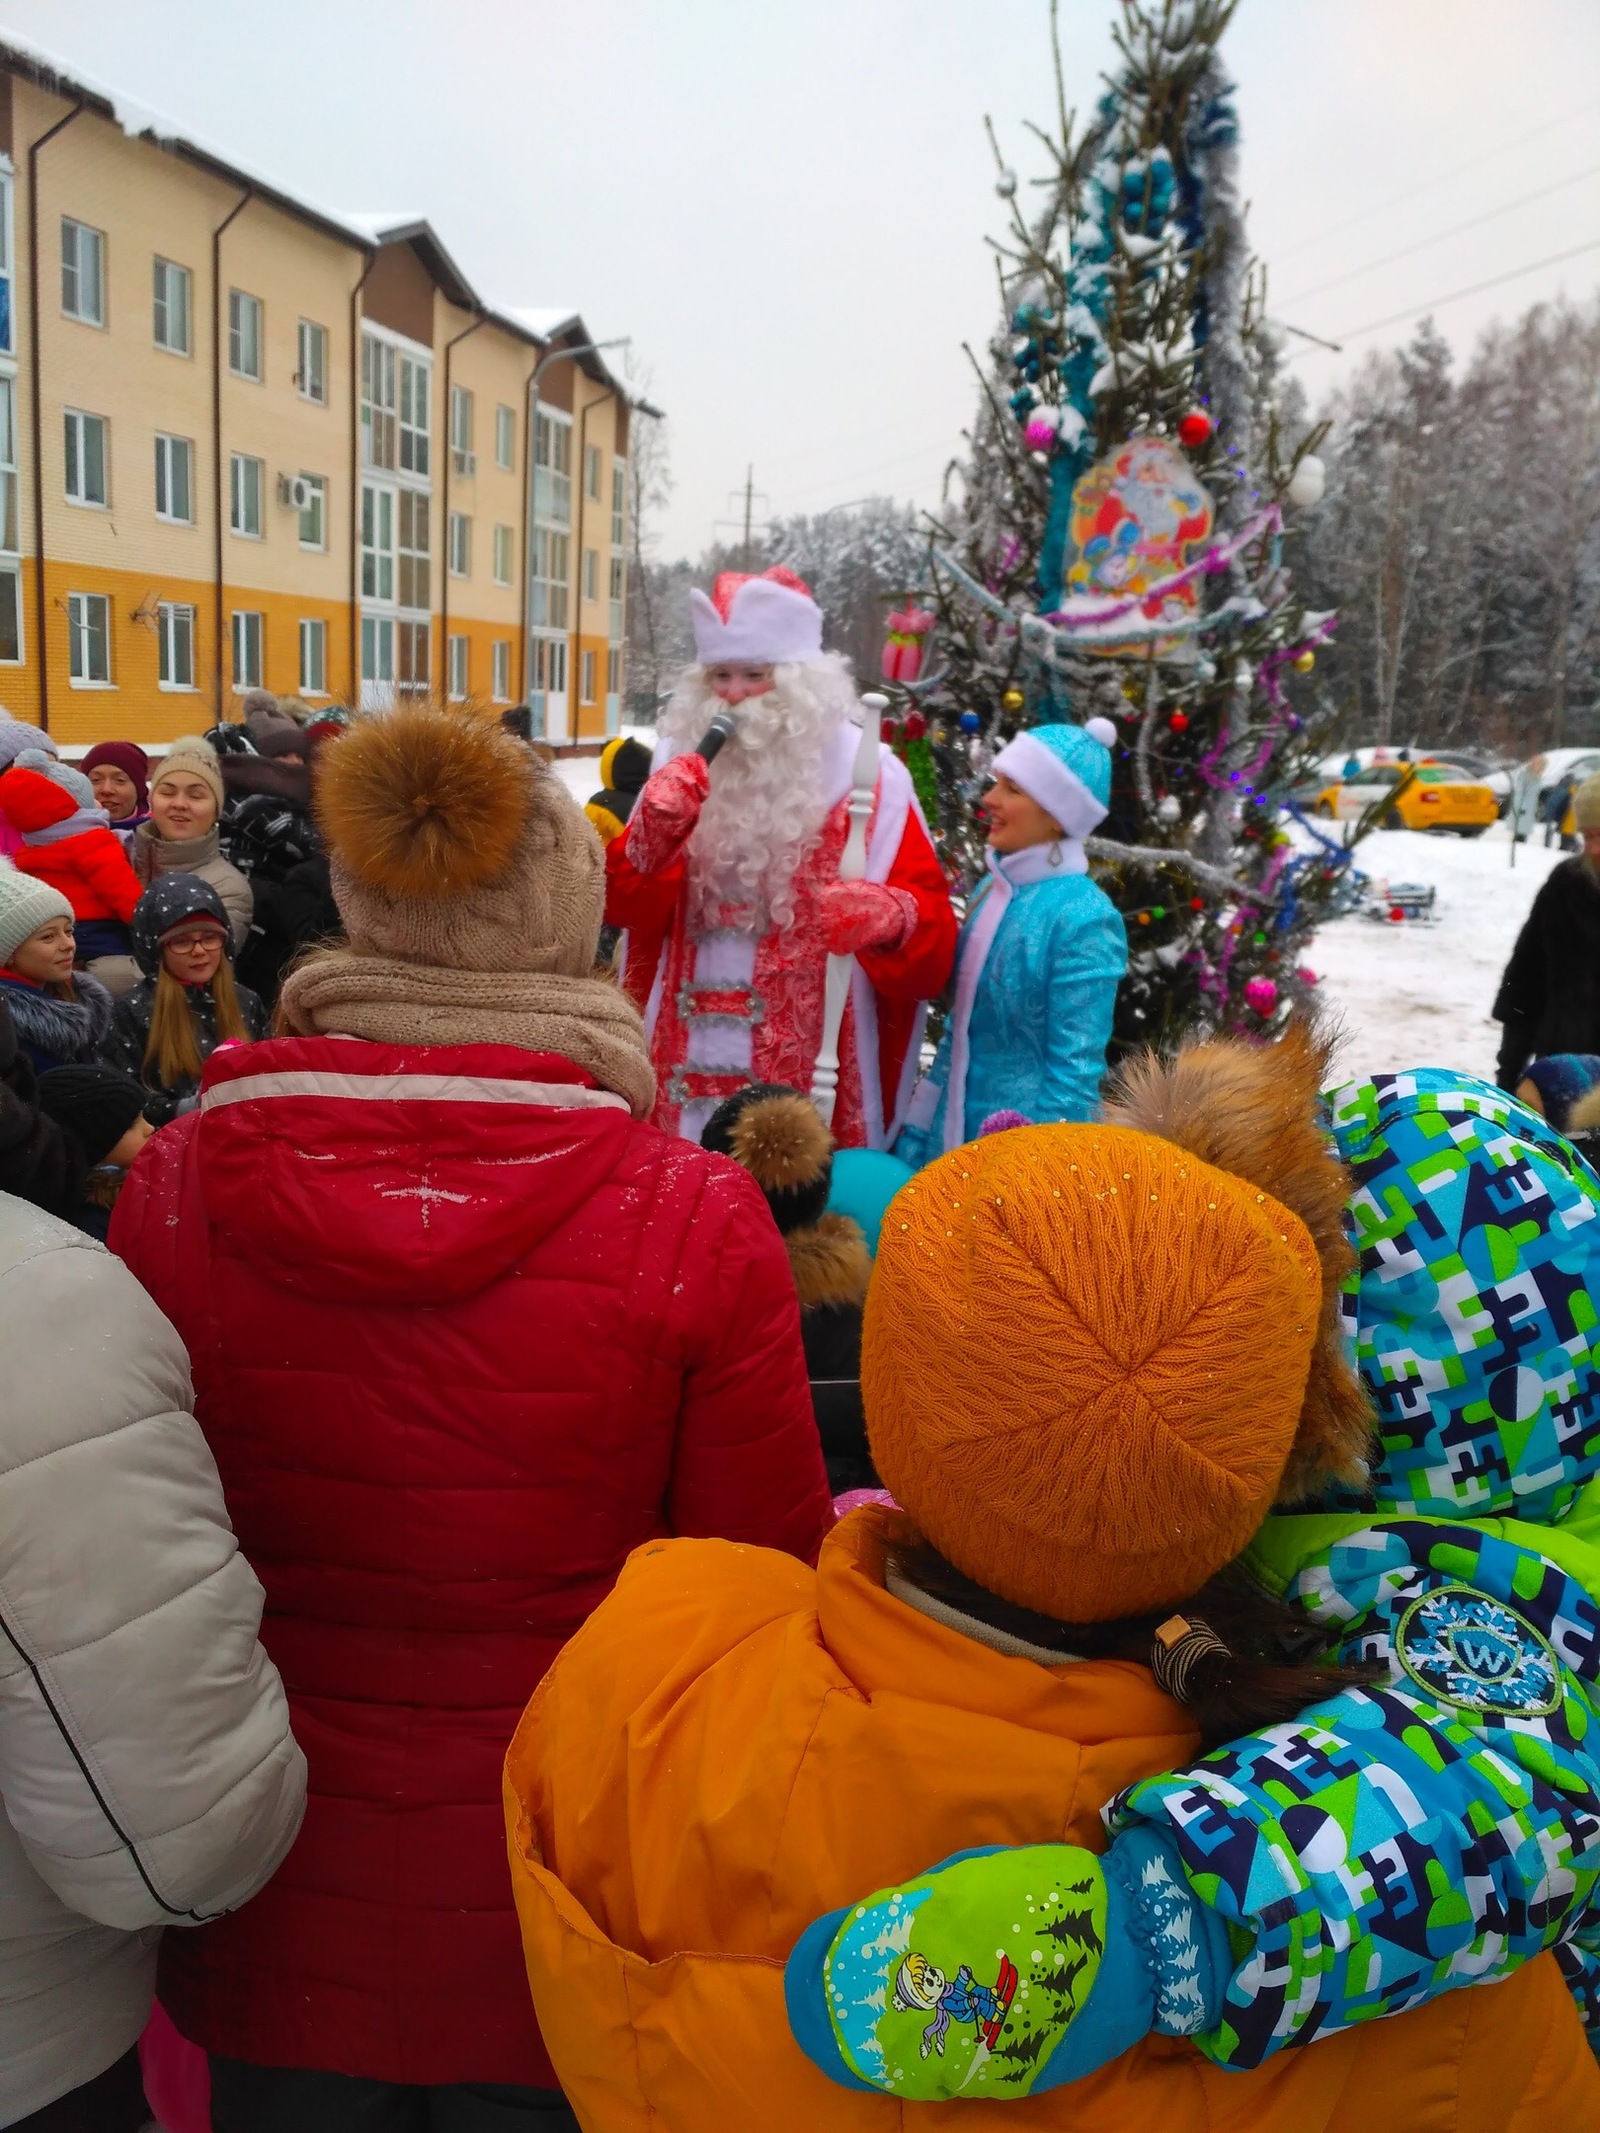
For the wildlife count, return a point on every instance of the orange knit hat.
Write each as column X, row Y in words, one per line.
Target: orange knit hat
column 1083, row 1363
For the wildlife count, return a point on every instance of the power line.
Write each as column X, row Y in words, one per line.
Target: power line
column 1459, row 170
column 1455, row 230
column 1495, row 281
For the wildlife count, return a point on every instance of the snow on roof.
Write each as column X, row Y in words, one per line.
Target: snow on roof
column 543, row 320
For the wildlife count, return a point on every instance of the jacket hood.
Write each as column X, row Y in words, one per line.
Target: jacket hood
column 397, row 1174
column 172, row 900
column 1475, row 1309
column 32, row 801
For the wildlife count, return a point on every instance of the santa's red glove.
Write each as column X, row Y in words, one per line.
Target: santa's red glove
column 866, row 914
column 666, row 811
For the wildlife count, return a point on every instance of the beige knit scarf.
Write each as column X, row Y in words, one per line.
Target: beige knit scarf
column 585, row 1020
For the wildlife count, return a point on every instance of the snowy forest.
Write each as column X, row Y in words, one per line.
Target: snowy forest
column 1459, row 541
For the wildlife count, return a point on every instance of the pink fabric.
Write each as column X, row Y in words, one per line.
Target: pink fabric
column 666, row 811
column 866, row 914
column 853, row 1499
column 177, row 2076
column 10, row 839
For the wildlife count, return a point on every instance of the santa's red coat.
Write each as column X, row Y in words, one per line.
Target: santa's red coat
column 889, row 992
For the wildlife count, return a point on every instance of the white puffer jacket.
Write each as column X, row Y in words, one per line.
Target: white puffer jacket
column 147, row 1771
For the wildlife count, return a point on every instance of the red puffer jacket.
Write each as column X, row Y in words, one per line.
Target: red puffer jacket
column 463, row 1334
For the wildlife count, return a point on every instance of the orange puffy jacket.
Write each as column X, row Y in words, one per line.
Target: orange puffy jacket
column 734, row 1743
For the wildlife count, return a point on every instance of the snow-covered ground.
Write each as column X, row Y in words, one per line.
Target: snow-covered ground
column 1416, row 995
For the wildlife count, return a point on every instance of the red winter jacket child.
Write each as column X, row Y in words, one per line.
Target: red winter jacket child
column 67, row 842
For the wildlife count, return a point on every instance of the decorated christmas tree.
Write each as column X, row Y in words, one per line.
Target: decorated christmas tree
column 1118, row 545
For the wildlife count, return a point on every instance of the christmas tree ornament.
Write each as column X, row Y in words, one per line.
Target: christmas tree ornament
column 1306, row 661
column 1139, row 516
column 908, row 629
column 1013, row 700
column 1261, row 994
column 1040, row 432
column 1170, row 809
column 1307, row 483
column 1179, row 722
column 889, row 730
column 970, row 723
column 916, row 725
column 1006, row 185
column 1197, row 903
column 1195, row 429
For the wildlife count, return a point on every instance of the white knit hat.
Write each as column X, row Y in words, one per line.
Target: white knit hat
column 25, row 906
column 194, row 757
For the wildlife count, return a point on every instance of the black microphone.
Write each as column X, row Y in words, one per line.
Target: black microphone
column 722, row 728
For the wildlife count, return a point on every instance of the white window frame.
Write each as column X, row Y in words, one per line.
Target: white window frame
column 416, row 399
column 75, row 419
column 175, row 631
column 619, row 503
column 313, row 656
column 75, row 269
column 587, row 677
column 311, row 348
column 8, row 283
column 169, row 450
column 505, row 554
column 614, row 670
column 593, row 459
column 246, row 640
column 378, row 546
column 377, row 651
column 551, row 588
column 552, row 468
column 317, row 510
column 80, row 632
column 166, row 276
column 239, row 487
column 500, row 670
column 459, row 667
column 591, row 576
column 10, row 524
column 11, row 573
column 460, row 545
column 505, row 437
column 463, row 459
column 243, row 309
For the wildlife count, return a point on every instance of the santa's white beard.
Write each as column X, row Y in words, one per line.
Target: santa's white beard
column 769, row 796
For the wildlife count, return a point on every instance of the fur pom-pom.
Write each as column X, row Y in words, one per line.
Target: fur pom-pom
column 1252, row 1110
column 424, row 802
column 781, row 1141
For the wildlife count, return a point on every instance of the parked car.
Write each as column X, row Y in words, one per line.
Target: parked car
column 1436, row 796
column 1483, row 769
column 1557, row 763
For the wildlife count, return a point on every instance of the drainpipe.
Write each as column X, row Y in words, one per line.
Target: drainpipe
column 40, row 608
column 524, row 554
column 355, row 481
column 232, row 215
column 553, row 355
column 577, row 613
column 466, row 333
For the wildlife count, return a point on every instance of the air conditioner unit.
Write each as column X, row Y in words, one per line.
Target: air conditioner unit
column 295, row 491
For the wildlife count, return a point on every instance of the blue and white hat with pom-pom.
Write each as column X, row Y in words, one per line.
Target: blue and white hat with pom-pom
column 1067, row 769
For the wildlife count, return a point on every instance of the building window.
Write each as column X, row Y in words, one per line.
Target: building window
column 411, row 656
column 619, row 579
column 591, row 472
column 460, row 545
column 377, row 648
column 550, row 665
column 86, row 458
column 551, row 567
column 247, row 640
column 313, row 658
column 415, row 379
column 505, row 437
column 379, row 405
column 503, row 539
column 460, row 665
column 175, row 480
column 83, row 273
column 247, row 477
column 586, row 678
column 10, row 615
column 462, row 455
column 89, row 635
column 614, row 671
column 619, row 503
column 244, row 335
column 591, row 573
column 314, row 513
column 170, row 321
column 10, row 538
column 552, row 469
column 311, row 379
column 415, row 548
column 377, row 548
column 175, row 634
column 500, row 671
column 6, row 342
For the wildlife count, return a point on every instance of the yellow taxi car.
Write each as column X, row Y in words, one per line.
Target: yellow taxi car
column 1439, row 797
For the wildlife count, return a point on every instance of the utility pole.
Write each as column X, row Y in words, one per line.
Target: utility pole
column 749, row 500
column 752, row 521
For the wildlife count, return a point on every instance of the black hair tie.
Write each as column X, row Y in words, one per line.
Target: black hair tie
column 1178, row 1647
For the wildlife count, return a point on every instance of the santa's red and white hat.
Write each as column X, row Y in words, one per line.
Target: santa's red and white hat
column 764, row 621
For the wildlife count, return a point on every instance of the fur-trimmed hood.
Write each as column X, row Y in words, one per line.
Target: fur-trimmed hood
column 65, row 1032
column 1255, row 1111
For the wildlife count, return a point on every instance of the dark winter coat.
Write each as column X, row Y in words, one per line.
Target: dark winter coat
column 38, row 1162
column 1549, row 998
column 55, row 1033
column 831, row 1271
column 456, row 1360
column 289, row 915
column 124, row 1047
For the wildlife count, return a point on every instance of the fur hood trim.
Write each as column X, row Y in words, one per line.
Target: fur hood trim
column 1254, row 1111
column 68, row 1029
column 830, row 1262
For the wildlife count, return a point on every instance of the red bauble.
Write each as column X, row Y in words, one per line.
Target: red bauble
column 916, row 725
column 1195, row 428
column 889, row 731
column 1197, row 903
column 1179, row 722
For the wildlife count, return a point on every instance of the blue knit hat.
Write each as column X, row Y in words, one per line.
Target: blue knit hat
column 1066, row 769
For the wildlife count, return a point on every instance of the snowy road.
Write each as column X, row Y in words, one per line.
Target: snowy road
column 1420, row 995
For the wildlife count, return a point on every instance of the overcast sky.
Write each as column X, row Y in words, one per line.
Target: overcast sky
column 784, row 202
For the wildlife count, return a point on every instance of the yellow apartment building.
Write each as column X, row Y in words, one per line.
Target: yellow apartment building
column 246, row 442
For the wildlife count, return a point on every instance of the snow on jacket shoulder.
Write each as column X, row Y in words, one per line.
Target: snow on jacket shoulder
column 464, row 1334
column 147, row 1771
